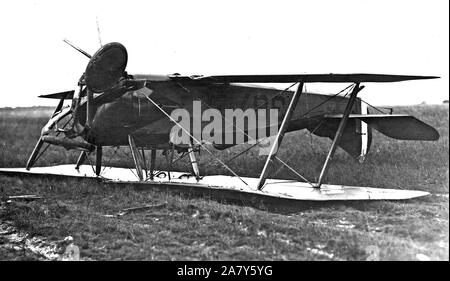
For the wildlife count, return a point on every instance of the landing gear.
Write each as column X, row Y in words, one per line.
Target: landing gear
column 141, row 164
column 98, row 160
column 40, row 142
column 169, row 159
column 81, row 160
column 194, row 163
column 152, row 162
column 137, row 158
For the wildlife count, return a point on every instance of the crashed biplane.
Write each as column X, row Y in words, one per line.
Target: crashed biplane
column 113, row 108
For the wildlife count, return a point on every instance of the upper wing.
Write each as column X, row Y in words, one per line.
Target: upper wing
column 277, row 78
column 308, row 78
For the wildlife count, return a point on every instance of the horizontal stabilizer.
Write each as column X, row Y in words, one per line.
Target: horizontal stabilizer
column 397, row 126
column 310, row 78
column 62, row 95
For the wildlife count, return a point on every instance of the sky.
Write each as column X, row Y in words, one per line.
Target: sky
column 229, row 37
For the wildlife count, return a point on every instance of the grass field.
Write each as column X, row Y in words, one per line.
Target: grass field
column 189, row 227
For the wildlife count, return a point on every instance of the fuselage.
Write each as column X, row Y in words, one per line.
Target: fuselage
column 134, row 112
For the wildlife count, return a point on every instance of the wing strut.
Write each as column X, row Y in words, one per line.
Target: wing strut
column 280, row 135
column 339, row 132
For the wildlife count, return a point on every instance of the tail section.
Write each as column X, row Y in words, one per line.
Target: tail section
column 397, row 126
column 357, row 136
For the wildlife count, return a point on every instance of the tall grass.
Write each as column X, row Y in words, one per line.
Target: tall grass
column 193, row 228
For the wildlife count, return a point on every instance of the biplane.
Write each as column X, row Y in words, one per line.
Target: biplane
column 111, row 108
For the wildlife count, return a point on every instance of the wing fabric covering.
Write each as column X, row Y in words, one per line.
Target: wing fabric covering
column 350, row 141
column 311, row 78
column 401, row 127
column 398, row 126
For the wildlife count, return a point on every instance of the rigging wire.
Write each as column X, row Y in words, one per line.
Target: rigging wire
column 257, row 142
column 111, row 158
column 377, row 108
column 170, row 117
column 351, row 86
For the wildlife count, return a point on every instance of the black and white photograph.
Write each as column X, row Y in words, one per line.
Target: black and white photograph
column 201, row 131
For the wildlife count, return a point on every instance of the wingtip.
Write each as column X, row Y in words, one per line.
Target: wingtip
column 431, row 77
column 65, row 95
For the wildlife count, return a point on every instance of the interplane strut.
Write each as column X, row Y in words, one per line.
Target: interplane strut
column 339, row 132
column 279, row 137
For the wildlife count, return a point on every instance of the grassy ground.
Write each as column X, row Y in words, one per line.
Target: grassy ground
column 192, row 228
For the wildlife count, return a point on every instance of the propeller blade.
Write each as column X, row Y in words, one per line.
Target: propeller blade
column 77, row 48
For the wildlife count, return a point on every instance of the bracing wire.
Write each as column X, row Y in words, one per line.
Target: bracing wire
column 207, row 150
